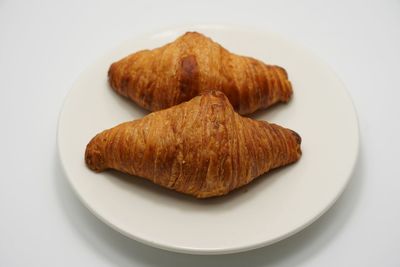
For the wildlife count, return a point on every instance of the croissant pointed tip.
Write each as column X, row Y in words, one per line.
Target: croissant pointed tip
column 94, row 158
column 112, row 75
column 297, row 137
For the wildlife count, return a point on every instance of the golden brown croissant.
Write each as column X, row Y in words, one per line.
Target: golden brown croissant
column 163, row 77
column 200, row 147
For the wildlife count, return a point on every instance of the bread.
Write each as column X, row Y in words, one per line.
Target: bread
column 191, row 65
column 201, row 147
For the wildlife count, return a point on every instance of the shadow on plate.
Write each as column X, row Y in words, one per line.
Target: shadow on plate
column 125, row 104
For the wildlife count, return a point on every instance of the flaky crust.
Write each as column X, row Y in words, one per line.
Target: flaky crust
column 191, row 65
column 201, row 147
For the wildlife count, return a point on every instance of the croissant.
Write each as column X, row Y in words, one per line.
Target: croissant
column 192, row 64
column 201, row 147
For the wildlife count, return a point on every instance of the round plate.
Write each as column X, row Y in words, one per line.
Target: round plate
column 272, row 207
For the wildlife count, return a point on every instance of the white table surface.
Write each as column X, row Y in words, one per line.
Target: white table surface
column 45, row 45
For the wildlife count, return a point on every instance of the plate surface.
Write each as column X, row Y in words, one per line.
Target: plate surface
column 269, row 209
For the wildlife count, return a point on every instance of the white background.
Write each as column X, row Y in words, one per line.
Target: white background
column 45, row 45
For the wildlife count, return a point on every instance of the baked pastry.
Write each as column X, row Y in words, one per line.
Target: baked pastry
column 192, row 64
column 201, row 147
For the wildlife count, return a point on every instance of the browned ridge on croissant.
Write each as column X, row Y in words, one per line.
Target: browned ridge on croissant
column 201, row 147
column 191, row 65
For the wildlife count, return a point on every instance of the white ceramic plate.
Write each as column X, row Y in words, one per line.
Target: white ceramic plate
column 271, row 208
